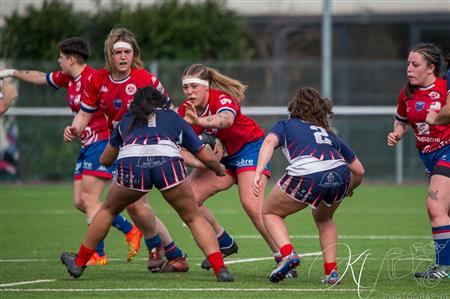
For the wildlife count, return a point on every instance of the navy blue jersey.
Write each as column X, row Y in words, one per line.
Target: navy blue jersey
column 310, row 148
column 164, row 135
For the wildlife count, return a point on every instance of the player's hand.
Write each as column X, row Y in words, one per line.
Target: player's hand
column 221, row 172
column 191, row 116
column 5, row 73
column 8, row 90
column 392, row 139
column 431, row 117
column 256, row 184
column 70, row 133
column 218, row 150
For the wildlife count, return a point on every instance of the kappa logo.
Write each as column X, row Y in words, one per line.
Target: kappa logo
column 225, row 101
column 104, row 89
column 130, row 89
column 102, row 168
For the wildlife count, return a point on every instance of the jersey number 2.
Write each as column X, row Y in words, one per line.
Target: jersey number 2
column 321, row 135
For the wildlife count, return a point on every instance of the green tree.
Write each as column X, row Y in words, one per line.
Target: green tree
column 35, row 34
column 165, row 30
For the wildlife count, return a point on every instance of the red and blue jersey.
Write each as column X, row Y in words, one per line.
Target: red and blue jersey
column 243, row 130
column 414, row 110
column 97, row 129
column 309, row 148
column 114, row 97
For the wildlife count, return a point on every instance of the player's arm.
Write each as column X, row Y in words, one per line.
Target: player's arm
column 109, row 155
column 442, row 117
column 221, row 120
column 400, row 129
column 206, row 156
column 264, row 156
column 357, row 173
column 190, row 160
column 79, row 123
column 34, row 77
column 9, row 94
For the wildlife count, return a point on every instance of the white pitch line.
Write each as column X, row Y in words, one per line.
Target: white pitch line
column 238, row 261
column 26, row 282
column 183, row 290
column 381, row 237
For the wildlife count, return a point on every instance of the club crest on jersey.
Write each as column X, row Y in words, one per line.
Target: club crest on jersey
column 130, row 89
column 117, row 103
column 434, row 95
column 420, row 105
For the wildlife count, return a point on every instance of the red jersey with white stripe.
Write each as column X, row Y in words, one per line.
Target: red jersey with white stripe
column 243, row 130
column 97, row 129
column 414, row 111
column 114, row 97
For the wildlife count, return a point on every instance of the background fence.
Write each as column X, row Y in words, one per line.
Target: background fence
column 364, row 84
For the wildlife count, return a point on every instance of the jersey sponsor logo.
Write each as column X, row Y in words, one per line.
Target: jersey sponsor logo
column 77, row 100
column 420, row 105
column 87, row 165
column 71, row 100
column 423, row 129
column 434, row 95
column 428, row 139
column 130, row 89
column 436, row 106
column 117, row 103
column 104, row 89
column 244, row 162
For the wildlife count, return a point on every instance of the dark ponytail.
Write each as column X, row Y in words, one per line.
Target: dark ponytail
column 146, row 101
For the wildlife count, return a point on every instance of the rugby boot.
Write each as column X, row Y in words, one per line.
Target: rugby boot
column 68, row 259
column 133, row 239
column 226, row 251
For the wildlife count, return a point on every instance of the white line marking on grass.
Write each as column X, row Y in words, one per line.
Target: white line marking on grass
column 238, row 261
column 356, row 237
column 26, row 282
column 183, row 290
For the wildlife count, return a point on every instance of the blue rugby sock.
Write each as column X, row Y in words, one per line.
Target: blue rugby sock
column 153, row 242
column 225, row 240
column 122, row 224
column 441, row 237
column 172, row 251
column 101, row 248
